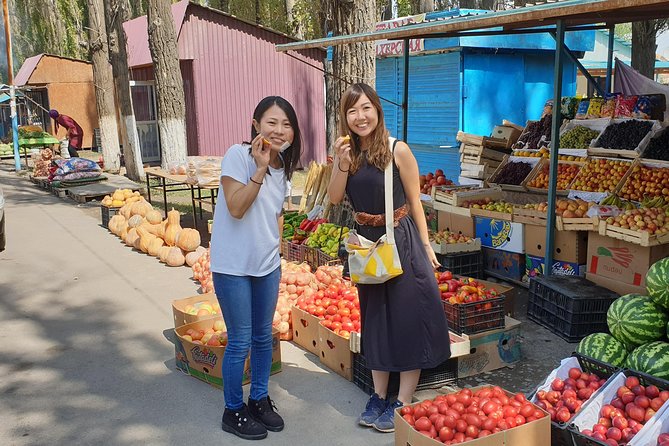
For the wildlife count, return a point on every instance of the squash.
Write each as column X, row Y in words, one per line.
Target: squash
column 163, row 253
column 155, row 245
column 115, row 223
column 173, row 218
column 154, row 217
column 161, row 229
column 192, row 257
column 188, row 239
column 125, row 211
column 135, row 221
column 131, row 237
column 118, row 195
column 145, row 242
column 127, row 193
column 141, row 208
column 171, row 234
column 175, row 257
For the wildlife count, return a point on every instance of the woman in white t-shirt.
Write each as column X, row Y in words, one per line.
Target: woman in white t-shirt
column 245, row 260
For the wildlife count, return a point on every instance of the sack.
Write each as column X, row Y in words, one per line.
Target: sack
column 376, row 262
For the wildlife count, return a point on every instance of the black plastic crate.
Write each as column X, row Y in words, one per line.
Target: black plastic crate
column 469, row 264
column 569, row 306
column 578, row 439
column 475, row 317
column 107, row 213
column 444, row 374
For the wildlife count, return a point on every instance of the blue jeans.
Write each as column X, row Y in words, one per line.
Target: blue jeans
column 248, row 305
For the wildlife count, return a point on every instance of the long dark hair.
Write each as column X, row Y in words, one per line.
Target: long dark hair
column 290, row 156
column 378, row 153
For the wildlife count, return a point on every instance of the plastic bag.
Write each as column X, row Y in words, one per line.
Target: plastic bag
column 625, row 106
column 603, row 211
column 568, row 107
column 75, row 165
column 204, row 171
column 609, row 107
column 177, row 168
column 595, row 108
column 582, row 111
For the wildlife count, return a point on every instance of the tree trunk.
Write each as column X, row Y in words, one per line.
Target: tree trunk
column 350, row 63
column 644, row 47
column 294, row 24
column 104, row 87
column 169, row 83
column 115, row 14
column 421, row 6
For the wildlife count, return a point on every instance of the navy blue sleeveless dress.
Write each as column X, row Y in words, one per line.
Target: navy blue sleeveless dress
column 403, row 322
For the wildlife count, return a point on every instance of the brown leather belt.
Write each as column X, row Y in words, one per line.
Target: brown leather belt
column 365, row 219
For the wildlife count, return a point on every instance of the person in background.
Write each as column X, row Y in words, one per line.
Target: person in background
column 75, row 134
column 245, row 260
column 404, row 327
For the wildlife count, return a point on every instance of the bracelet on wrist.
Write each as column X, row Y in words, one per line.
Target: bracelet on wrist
column 341, row 170
column 254, row 181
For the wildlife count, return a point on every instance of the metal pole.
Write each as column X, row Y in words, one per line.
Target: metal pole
column 12, row 91
column 609, row 60
column 555, row 146
column 405, row 101
column 8, row 43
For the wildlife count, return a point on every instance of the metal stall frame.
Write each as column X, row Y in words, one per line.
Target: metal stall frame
column 555, row 18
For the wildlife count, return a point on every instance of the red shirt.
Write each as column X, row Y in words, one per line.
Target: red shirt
column 74, row 131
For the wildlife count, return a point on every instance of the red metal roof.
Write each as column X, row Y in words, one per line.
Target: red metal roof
column 26, row 70
column 138, row 35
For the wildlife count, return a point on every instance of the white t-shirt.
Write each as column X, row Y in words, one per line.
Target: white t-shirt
column 248, row 246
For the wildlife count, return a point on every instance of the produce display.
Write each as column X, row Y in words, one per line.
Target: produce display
column 203, row 308
column 216, row 336
column 566, row 397
column 658, row 147
column 579, row 137
column 202, row 274
column 489, row 205
column 512, row 173
column 120, row 197
column 663, row 439
column 651, row 358
column 327, row 237
column 651, row 220
column 564, row 207
column 615, row 200
column 534, row 132
column 291, row 227
column 646, row 182
column 466, row 415
column 635, row 320
column 42, row 161
column 626, row 414
column 625, row 135
column 445, row 236
column 657, row 284
column 603, row 347
column 566, row 174
column 6, row 149
column 463, row 290
column 337, row 305
column 600, row 175
column 545, row 153
column 433, row 179
column 296, row 280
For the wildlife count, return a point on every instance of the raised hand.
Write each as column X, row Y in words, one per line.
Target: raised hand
column 260, row 151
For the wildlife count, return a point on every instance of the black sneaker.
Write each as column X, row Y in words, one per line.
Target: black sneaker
column 240, row 423
column 264, row 412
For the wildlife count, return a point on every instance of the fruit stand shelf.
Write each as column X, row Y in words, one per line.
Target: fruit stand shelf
column 456, row 195
column 640, row 238
column 455, row 248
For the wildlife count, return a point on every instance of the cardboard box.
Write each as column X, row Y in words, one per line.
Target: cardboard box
column 615, row 286
column 500, row 234
column 504, row 263
column 305, row 330
column 491, row 350
column 455, row 223
column 569, row 246
column 622, row 261
column 183, row 318
column 204, row 362
column 335, row 352
column 535, row 266
column 535, row 433
column 510, row 134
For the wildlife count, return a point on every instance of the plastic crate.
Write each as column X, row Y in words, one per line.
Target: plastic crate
column 467, row 264
column 569, row 306
column 315, row 258
column 292, row 252
column 107, row 213
column 578, row 439
column 475, row 317
column 444, row 374
column 561, row 435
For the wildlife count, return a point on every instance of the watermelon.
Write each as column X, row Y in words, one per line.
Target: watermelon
column 652, row 358
column 635, row 320
column 603, row 347
column 657, row 282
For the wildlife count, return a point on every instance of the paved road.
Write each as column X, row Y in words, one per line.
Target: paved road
column 84, row 354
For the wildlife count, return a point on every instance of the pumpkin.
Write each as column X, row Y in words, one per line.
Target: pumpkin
column 188, row 239
column 175, row 257
column 145, row 242
column 171, row 234
column 154, row 217
column 161, row 229
column 135, row 221
column 192, row 257
column 118, row 195
column 155, row 245
column 125, row 211
column 123, row 230
column 141, row 208
column 115, row 223
column 131, row 237
column 173, row 218
column 127, row 193
column 152, row 229
column 163, row 253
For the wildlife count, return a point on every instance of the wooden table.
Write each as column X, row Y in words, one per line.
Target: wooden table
column 173, row 183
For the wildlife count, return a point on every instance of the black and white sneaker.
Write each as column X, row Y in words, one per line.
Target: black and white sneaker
column 264, row 412
column 242, row 424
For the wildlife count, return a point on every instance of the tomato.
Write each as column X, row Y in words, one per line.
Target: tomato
column 520, row 420
column 355, row 314
column 348, row 326
column 432, row 410
column 450, row 421
column 490, row 407
column 464, row 398
column 423, row 424
column 409, row 418
column 419, row 412
column 511, row 422
column 472, row 431
column 331, row 310
column 320, row 311
column 406, row 410
column 527, row 410
column 461, row 425
column 472, row 420
column 489, row 424
column 446, row 434
column 439, row 421
column 450, row 399
column 443, row 408
column 458, row 406
column 510, row 411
